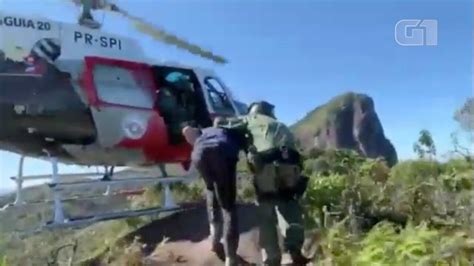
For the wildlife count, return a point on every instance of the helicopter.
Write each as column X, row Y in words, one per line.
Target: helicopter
column 90, row 98
column 82, row 96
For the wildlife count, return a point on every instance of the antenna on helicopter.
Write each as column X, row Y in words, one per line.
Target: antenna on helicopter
column 141, row 25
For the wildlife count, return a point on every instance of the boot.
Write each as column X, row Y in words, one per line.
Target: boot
column 218, row 249
column 298, row 259
column 242, row 262
column 89, row 22
column 215, row 235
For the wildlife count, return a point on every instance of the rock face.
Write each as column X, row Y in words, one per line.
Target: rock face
column 348, row 121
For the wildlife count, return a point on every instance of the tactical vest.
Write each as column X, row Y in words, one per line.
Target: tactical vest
column 268, row 133
column 274, row 158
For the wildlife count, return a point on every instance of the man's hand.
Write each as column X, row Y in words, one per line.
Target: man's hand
column 231, row 122
column 218, row 121
column 190, row 134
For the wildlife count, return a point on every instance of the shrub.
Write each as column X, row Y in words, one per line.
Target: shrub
column 414, row 171
column 418, row 245
column 457, row 182
column 458, row 165
column 420, row 190
column 350, row 177
column 336, row 246
column 388, row 244
column 325, row 190
column 189, row 192
column 313, row 166
column 245, row 188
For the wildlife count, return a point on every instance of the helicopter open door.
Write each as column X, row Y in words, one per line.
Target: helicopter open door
column 122, row 95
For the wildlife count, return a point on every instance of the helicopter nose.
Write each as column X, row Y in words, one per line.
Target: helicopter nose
column 44, row 106
column 17, row 98
column 5, row 126
column 15, row 92
column 19, row 94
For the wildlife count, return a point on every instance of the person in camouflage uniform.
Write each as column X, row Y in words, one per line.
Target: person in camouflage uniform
column 276, row 165
column 173, row 114
column 174, row 100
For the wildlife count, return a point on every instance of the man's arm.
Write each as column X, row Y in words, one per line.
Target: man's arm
column 236, row 126
column 231, row 122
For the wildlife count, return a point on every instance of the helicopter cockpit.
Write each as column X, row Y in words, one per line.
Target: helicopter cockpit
column 218, row 97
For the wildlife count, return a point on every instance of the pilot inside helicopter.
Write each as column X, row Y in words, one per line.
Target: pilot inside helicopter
column 175, row 101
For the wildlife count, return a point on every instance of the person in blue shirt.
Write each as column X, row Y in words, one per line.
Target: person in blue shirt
column 215, row 155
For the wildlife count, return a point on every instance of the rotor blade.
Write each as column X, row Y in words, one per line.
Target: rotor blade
column 158, row 33
column 172, row 39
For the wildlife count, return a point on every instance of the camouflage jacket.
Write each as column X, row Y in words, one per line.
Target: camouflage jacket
column 263, row 132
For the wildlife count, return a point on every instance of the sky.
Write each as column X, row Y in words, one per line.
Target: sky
column 299, row 54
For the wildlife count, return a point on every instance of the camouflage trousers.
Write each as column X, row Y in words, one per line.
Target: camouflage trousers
column 284, row 216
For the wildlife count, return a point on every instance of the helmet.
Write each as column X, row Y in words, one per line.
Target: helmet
column 176, row 77
column 263, row 108
column 179, row 81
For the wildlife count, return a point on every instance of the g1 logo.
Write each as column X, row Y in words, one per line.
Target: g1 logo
column 416, row 32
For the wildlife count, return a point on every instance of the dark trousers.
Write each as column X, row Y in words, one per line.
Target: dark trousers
column 219, row 173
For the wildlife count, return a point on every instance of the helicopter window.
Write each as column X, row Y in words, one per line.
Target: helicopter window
column 241, row 107
column 219, row 99
column 121, row 86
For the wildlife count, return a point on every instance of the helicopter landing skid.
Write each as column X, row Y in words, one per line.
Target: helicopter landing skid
column 57, row 187
column 82, row 221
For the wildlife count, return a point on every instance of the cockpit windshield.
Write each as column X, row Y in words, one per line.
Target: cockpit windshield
column 220, row 101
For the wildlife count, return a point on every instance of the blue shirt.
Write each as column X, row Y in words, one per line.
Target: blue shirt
column 213, row 137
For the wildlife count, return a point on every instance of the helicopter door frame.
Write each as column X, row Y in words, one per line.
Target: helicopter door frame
column 208, row 88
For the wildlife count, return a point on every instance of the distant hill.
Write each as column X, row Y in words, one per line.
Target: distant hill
column 4, row 191
column 347, row 121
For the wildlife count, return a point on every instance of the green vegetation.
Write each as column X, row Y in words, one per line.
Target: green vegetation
column 419, row 211
column 425, row 146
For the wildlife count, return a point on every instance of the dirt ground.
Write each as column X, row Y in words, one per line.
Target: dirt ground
column 187, row 242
